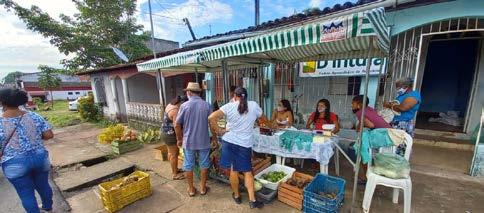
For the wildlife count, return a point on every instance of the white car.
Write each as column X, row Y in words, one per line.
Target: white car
column 73, row 105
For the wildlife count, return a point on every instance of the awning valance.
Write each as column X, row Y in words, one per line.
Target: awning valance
column 342, row 37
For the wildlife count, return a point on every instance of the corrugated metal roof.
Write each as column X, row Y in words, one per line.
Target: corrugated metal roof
column 287, row 20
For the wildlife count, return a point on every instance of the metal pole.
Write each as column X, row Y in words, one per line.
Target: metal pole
column 196, row 75
column 152, row 31
column 257, row 16
column 472, row 171
column 225, row 81
column 377, row 97
column 358, row 141
column 160, row 79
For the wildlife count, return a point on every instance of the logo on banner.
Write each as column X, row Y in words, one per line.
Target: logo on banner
column 342, row 67
column 309, row 67
column 333, row 31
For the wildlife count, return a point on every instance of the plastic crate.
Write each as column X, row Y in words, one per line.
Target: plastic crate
column 124, row 147
column 115, row 199
column 275, row 167
column 314, row 202
column 266, row 195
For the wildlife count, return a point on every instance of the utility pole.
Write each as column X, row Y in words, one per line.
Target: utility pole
column 152, row 31
column 160, row 81
column 257, row 15
column 189, row 28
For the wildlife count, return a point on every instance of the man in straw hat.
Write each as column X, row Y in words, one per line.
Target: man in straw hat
column 191, row 129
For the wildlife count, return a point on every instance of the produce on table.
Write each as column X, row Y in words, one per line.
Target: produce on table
column 257, row 185
column 111, row 133
column 130, row 135
column 298, row 182
column 331, row 195
column 149, row 136
column 274, row 176
column 126, row 181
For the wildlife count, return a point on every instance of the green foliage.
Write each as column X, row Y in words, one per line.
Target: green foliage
column 149, row 136
column 60, row 116
column 48, row 79
column 88, row 110
column 104, row 123
column 38, row 101
column 10, row 77
column 88, row 36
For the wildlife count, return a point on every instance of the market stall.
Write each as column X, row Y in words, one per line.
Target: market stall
column 359, row 35
column 296, row 144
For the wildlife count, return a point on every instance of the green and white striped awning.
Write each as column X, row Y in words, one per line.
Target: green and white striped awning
column 342, row 37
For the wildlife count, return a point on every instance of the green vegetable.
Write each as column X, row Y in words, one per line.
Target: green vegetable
column 274, row 176
column 257, row 186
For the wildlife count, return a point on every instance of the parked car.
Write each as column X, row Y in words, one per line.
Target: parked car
column 73, row 104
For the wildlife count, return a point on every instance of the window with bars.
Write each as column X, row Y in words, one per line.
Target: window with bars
column 345, row 86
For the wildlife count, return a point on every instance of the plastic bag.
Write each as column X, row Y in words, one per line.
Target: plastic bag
column 391, row 165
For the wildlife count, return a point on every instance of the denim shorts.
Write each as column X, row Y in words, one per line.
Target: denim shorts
column 190, row 157
column 237, row 157
column 32, row 162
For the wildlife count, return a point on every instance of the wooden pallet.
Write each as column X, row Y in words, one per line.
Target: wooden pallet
column 292, row 195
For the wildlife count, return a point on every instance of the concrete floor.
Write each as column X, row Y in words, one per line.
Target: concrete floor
column 451, row 160
column 432, row 191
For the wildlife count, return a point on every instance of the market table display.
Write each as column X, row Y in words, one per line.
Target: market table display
column 296, row 144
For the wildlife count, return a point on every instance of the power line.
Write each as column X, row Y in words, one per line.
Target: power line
column 165, row 9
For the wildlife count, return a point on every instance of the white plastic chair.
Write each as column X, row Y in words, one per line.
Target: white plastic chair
column 397, row 184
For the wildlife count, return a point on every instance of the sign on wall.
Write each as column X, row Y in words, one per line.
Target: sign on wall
column 341, row 67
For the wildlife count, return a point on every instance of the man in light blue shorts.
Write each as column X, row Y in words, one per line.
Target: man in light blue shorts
column 191, row 129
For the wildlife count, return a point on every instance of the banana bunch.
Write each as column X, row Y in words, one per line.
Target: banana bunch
column 149, row 136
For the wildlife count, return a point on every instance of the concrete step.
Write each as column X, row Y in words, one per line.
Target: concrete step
column 93, row 175
column 444, row 144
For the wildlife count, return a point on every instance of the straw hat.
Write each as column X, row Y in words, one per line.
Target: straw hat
column 192, row 86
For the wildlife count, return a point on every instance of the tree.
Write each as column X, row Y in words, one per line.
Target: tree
column 48, row 80
column 88, row 36
column 11, row 77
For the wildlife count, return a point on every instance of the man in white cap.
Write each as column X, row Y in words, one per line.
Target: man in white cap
column 191, row 129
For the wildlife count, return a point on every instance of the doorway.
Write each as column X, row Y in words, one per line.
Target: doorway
column 447, row 83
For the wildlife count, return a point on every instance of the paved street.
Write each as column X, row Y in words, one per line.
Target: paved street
column 431, row 192
column 10, row 202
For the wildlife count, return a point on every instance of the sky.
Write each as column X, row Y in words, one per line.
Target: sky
column 23, row 50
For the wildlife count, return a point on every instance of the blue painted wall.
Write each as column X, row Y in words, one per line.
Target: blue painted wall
column 403, row 20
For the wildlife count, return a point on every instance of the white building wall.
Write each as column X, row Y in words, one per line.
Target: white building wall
column 109, row 110
column 68, row 94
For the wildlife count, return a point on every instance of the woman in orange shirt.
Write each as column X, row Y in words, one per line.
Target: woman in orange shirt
column 321, row 116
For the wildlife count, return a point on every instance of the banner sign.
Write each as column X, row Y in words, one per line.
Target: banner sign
column 334, row 30
column 341, row 67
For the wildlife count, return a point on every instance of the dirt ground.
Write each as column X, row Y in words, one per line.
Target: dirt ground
column 431, row 192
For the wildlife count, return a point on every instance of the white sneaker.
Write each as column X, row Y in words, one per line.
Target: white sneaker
column 45, row 211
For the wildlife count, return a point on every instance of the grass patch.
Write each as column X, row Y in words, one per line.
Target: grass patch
column 60, row 116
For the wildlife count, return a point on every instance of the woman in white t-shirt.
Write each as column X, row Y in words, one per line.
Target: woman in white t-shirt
column 238, row 141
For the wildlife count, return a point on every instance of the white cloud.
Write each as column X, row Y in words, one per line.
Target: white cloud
column 315, row 3
column 199, row 13
column 23, row 49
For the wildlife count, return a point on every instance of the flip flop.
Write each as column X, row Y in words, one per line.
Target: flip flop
column 179, row 176
column 207, row 189
column 192, row 194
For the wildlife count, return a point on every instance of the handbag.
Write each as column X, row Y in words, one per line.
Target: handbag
column 10, row 137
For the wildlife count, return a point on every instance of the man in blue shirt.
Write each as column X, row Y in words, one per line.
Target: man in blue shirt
column 191, row 129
